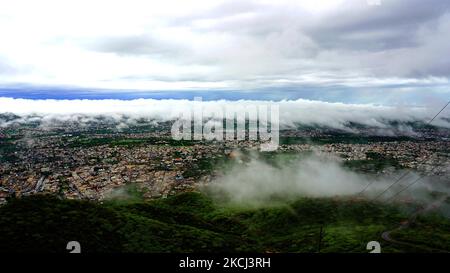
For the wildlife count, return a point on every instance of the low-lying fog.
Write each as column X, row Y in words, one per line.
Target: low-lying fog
column 254, row 181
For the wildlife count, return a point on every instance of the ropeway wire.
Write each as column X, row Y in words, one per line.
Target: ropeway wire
column 409, row 185
column 408, row 172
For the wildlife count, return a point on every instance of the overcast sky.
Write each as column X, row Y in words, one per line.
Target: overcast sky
column 398, row 46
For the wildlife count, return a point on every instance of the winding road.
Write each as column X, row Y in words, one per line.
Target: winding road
column 387, row 234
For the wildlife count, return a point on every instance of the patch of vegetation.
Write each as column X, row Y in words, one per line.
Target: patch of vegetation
column 343, row 138
column 124, row 195
column 280, row 159
column 7, row 150
column 128, row 142
column 205, row 166
column 192, row 222
column 375, row 162
column 45, row 223
column 429, row 233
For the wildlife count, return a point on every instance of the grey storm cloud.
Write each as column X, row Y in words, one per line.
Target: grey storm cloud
column 395, row 39
column 239, row 45
column 137, row 45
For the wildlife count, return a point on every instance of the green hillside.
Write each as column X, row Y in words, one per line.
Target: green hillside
column 192, row 222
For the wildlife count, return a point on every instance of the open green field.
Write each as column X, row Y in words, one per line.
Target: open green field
column 193, row 222
column 84, row 141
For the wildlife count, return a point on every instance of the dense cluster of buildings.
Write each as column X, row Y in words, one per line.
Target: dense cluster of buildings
column 54, row 163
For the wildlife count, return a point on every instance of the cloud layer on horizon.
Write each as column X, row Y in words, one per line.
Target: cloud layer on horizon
column 308, row 112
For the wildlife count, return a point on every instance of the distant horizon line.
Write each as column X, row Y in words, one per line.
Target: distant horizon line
column 335, row 94
column 207, row 95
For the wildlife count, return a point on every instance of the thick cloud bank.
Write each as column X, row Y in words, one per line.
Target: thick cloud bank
column 307, row 112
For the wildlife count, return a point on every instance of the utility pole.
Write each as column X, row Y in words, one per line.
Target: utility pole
column 320, row 238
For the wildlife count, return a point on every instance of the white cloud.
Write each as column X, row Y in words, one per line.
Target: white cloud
column 336, row 115
column 148, row 45
column 254, row 181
